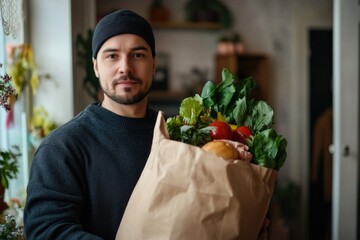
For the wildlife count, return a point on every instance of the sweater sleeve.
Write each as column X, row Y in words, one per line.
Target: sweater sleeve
column 55, row 197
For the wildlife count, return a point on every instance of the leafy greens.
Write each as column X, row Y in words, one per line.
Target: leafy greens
column 231, row 100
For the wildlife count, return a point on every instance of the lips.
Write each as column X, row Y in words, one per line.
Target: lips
column 127, row 82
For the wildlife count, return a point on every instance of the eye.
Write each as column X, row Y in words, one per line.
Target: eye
column 111, row 56
column 138, row 55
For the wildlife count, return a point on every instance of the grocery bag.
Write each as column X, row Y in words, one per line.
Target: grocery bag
column 187, row 193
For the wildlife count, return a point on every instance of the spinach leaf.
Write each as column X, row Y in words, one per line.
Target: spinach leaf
column 269, row 149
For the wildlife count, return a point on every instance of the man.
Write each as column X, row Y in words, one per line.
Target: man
column 83, row 173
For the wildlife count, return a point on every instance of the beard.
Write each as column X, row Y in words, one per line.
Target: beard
column 126, row 100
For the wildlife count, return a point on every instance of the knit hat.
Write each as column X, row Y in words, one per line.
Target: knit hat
column 122, row 22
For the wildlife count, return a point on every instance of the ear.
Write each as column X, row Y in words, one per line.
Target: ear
column 96, row 71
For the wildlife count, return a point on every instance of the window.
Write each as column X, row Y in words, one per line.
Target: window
column 13, row 126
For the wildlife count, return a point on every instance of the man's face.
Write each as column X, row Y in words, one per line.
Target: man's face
column 125, row 67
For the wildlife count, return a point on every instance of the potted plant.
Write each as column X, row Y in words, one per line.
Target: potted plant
column 9, row 229
column 8, row 165
column 159, row 12
column 8, row 159
column 84, row 53
column 8, row 170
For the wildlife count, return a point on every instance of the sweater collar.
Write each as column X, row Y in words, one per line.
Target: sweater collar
column 118, row 121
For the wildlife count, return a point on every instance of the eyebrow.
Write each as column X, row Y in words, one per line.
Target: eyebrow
column 106, row 50
column 140, row 48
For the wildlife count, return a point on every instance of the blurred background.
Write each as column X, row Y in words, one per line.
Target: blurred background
column 287, row 46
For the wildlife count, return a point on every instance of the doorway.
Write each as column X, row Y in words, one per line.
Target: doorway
column 320, row 182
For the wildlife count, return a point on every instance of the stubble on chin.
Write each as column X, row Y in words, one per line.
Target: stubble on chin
column 127, row 98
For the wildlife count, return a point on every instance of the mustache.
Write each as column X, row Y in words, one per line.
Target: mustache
column 126, row 78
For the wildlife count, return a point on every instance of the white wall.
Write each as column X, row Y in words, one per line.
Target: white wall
column 50, row 35
column 345, row 201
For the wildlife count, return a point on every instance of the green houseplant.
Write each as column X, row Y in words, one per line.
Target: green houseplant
column 84, row 54
column 9, row 229
column 8, row 159
column 9, row 167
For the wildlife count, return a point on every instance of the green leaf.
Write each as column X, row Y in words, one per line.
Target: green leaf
column 225, row 90
column 190, row 134
column 261, row 116
column 9, row 165
column 269, row 149
column 282, row 154
column 226, row 75
column 240, row 111
column 224, row 96
column 190, row 109
column 246, row 85
column 208, row 90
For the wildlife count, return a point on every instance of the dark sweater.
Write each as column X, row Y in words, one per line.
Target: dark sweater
column 83, row 174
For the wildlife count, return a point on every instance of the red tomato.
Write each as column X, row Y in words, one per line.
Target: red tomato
column 242, row 133
column 222, row 130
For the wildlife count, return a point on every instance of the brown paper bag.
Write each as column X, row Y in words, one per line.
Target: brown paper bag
column 187, row 193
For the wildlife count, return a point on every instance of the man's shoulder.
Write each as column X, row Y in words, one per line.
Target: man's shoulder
column 74, row 127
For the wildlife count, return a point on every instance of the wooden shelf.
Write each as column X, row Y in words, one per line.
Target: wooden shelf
column 256, row 65
column 186, row 25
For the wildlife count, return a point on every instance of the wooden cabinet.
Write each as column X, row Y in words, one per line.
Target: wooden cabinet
column 245, row 65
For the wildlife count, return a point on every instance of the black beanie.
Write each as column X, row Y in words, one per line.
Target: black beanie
column 122, row 22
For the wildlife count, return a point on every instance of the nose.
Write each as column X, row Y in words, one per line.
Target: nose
column 125, row 67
